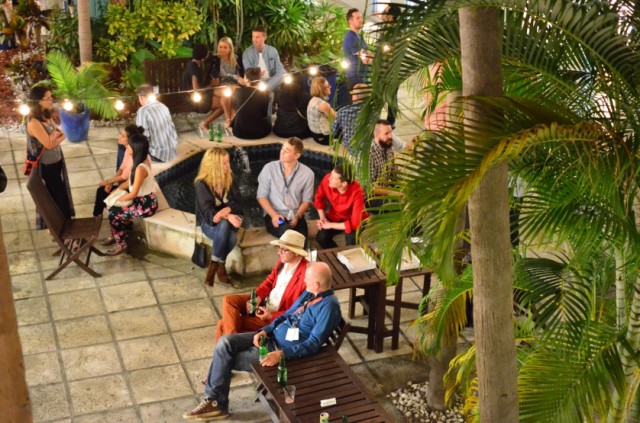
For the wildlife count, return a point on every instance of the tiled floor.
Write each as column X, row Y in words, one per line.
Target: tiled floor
column 132, row 345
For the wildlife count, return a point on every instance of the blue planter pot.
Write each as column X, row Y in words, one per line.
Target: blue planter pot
column 8, row 43
column 75, row 125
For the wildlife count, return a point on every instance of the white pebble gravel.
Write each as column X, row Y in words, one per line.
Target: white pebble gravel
column 411, row 401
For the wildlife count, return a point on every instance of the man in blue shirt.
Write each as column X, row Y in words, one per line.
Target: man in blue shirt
column 355, row 50
column 299, row 332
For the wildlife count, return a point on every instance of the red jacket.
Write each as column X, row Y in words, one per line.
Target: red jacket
column 347, row 207
column 294, row 289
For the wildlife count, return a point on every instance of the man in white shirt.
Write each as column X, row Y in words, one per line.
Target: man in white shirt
column 282, row 288
column 158, row 126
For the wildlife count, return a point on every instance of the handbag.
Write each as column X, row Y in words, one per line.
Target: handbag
column 199, row 257
column 31, row 161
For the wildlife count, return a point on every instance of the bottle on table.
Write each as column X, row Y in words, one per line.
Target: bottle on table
column 282, row 372
column 219, row 133
column 324, row 418
column 262, row 351
column 253, row 303
column 211, row 132
column 345, row 419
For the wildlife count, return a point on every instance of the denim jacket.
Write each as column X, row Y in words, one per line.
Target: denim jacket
column 250, row 59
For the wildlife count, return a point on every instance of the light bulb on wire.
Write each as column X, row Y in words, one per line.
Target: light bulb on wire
column 386, row 48
column 67, row 105
column 151, row 98
column 262, row 86
column 345, row 64
column 227, row 92
column 287, row 79
column 24, row 109
column 119, row 105
column 197, row 97
column 313, row 70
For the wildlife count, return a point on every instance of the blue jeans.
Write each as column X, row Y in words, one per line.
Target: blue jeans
column 232, row 352
column 224, row 239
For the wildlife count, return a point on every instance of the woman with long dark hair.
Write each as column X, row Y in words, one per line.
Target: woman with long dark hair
column 218, row 210
column 139, row 201
column 291, row 110
column 43, row 141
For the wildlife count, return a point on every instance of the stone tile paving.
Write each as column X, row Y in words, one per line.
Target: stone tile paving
column 133, row 345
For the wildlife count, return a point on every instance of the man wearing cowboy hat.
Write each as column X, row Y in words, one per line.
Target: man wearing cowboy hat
column 281, row 288
column 299, row 332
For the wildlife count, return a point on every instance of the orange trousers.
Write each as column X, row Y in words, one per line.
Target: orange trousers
column 234, row 317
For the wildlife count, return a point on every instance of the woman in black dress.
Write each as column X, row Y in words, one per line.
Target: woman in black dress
column 252, row 120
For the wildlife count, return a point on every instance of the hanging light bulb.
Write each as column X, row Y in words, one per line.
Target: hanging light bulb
column 227, row 92
column 345, row 64
column 386, row 48
column 262, row 86
column 313, row 70
column 119, row 105
column 67, row 105
column 288, row 79
column 151, row 98
column 196, row 97
column 24, row 109
column 363, row 56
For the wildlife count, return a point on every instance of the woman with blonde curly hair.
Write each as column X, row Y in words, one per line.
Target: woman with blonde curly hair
column 319, row 111
column 218, row 210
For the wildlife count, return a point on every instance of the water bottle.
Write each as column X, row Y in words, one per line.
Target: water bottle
column 263, row 351
column 282, row 372
column 211, row 132
column 219, row 132
column 253, row 304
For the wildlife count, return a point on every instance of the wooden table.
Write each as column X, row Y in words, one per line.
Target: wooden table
column 372, row 280
column 321, row 376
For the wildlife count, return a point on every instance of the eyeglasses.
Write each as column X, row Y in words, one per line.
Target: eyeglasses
column 282, row 250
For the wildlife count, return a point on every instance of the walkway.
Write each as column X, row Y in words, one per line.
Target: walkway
column 132, row 346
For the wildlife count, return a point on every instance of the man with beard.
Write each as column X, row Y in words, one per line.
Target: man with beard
column 381, row 153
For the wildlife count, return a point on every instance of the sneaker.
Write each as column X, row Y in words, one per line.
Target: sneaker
column 208, row 409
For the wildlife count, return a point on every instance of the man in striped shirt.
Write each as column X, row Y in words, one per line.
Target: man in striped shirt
column 158, row 126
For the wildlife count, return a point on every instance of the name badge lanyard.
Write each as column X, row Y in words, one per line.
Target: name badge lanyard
column 287, row 195
column 297, row 315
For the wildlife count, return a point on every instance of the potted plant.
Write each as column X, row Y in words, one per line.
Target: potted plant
column 86, row 87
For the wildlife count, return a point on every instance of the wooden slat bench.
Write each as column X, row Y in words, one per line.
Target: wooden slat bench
column 166, row 74
column 322, row 376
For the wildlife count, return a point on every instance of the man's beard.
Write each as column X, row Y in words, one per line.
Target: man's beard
column 386, row 144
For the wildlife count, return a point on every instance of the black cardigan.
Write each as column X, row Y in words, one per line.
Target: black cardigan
column 207, row 205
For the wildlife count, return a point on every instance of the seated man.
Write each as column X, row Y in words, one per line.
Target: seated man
column 285, row 190
column 282, row 288
column 158, row 126
column 381, row 154
column 340, row 204
column 315, row 315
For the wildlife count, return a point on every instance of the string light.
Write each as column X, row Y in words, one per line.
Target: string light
column 344, row 63
column 119, row 105
column 386, row 48
column 262, row 86
column 67, row 105
column 196, row 97
column 151, row 98
column 313, row 70
column 287, row 79
column 24, row 109
column 363, row 56
column 227, row 92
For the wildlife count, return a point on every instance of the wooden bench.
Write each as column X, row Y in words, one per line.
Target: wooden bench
column 166, row 74
column 321, row 376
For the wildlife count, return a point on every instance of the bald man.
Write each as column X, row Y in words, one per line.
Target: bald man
column 299, row 332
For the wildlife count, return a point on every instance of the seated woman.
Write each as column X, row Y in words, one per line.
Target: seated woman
column 141, row 187
column 226, row 71
column 218, row 210
column 196, row 77
column 106, row 185
column 252, row 120
column 291, row 110
column 319, row 111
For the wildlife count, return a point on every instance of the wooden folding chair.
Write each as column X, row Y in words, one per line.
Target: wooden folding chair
column 74, row 236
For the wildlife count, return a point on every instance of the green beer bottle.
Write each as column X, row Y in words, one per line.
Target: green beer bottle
column 219, row 133
column 345, row 419
column 262, row 351
column 282, row 372
column 211, row 132
column 253, row 304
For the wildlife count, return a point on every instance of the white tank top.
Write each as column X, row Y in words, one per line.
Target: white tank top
column 148, row 185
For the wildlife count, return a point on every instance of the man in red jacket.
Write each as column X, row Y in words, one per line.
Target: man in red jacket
column 340, row 204
column 282, row 288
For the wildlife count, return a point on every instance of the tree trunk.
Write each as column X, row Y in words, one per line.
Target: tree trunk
column 481, row 44
column 14, row 395
column 84, row 32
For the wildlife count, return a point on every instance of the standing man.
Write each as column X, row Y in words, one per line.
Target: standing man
column 355, row 50
column 282, row 288
column 158, row 126
column 265, row 57
column 340, row 204
column 299, row 332
column 285, row 190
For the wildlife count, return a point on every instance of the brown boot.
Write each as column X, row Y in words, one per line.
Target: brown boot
column 211, row 273
column 223, row 278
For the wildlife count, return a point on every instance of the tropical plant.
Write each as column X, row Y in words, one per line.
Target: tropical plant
column 64, row 34
column 568, row 127
column 327, row 26
column 85, row 86
column 34, row 17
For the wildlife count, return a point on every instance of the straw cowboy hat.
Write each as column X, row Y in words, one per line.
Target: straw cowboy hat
column 292, row 241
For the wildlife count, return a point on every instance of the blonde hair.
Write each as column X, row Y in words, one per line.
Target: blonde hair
column 232, row 53
column 317, row 86
column 211, row 172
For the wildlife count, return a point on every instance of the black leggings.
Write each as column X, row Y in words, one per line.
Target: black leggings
column 52, row 176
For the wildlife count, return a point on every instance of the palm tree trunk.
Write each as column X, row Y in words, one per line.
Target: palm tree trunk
column 84, row 32
column 480, row 36
column 621, row 307
column 14, row 395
